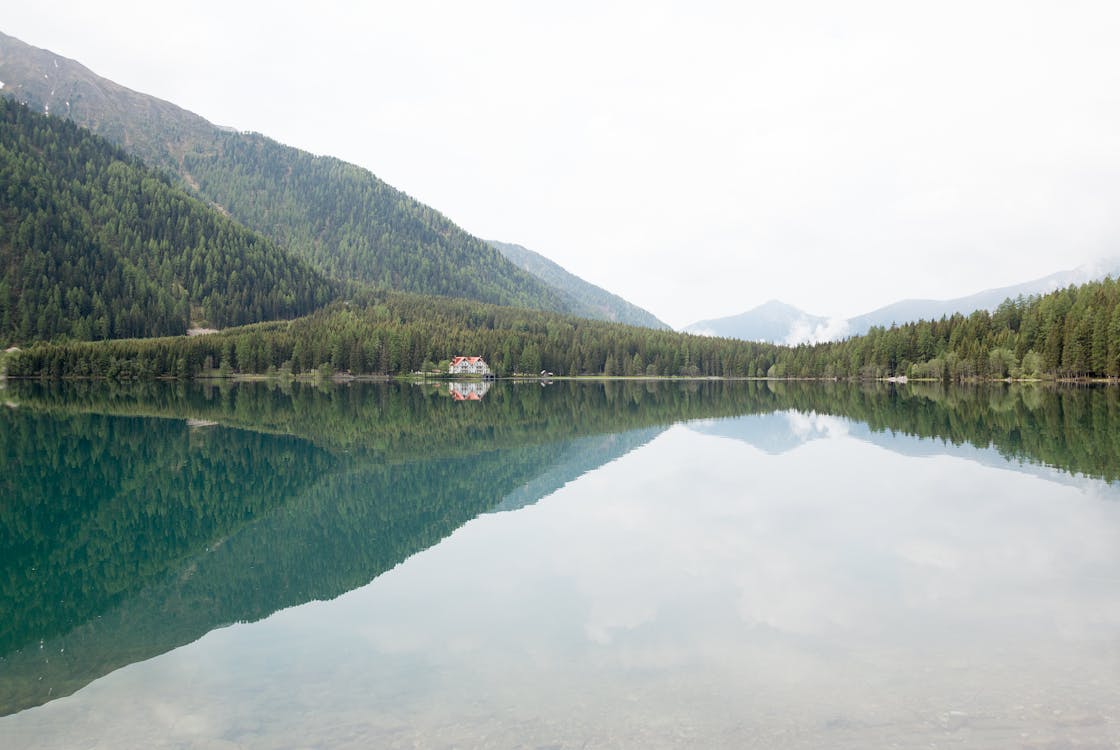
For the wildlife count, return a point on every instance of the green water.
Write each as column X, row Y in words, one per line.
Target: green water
column 570, row 565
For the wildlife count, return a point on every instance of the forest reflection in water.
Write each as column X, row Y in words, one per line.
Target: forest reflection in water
column 142, row 517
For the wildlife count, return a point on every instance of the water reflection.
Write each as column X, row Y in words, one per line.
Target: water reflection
column 126, row 536
column 796, row 585
column 468, row 391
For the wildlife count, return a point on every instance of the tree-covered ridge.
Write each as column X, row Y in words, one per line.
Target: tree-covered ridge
column 93, row 245
column 339, row 216
column 354, row 226
column 586, row 299
column 1069, row 333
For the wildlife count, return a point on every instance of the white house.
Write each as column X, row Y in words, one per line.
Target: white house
column 469, row 366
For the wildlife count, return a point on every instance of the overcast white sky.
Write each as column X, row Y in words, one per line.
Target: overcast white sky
column 696, row 158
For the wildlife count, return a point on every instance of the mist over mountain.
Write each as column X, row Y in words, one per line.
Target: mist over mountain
column 774, row 322
column 586, row 299
column 779, row 323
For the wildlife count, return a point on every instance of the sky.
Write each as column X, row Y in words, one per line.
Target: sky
column 696, row 158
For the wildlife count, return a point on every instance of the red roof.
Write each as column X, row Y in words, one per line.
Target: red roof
column 472, row 360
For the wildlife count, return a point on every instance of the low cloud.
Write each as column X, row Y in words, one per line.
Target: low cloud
column 807, row 331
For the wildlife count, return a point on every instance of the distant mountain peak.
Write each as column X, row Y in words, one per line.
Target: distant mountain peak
column 775, row 322
column 780, row 323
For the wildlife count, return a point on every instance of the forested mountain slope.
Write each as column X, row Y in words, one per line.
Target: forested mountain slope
column 95, row 245
column 339, row 216
column 587, row 299
column 354, row 226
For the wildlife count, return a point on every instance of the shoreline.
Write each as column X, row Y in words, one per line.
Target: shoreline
column 436, row 379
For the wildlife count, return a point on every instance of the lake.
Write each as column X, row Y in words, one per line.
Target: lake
column 559, row 565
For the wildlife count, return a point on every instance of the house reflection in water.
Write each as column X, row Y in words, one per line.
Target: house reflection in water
column 473, row 391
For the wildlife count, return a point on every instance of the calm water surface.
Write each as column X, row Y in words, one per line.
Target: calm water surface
column 591, row 565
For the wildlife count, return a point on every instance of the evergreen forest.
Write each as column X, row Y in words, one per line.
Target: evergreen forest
column 94, row 245
column 339, row 217
column 1070, row 333
column 355, row 227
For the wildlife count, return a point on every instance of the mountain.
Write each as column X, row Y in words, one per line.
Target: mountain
column 909, row 310
column 586, row 299
column 157, row 131
column 95, row 245
column 340, row 217
column 779, row 323
column 773, row 321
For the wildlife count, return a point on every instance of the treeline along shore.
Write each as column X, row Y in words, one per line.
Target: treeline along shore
column 1072, row 333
